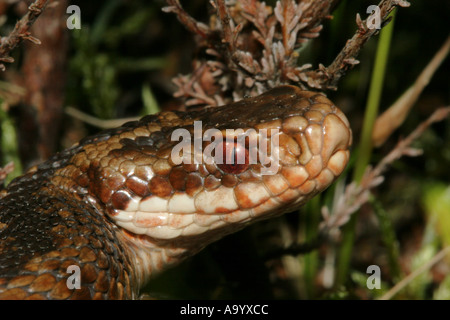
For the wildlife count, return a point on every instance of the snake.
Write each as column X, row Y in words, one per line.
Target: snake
column 101, row 218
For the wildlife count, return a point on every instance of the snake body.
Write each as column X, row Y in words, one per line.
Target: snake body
column 118, row 208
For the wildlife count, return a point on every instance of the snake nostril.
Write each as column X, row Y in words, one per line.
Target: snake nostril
column 337, row 136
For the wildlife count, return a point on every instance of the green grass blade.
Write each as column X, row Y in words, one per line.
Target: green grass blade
column 365, row 144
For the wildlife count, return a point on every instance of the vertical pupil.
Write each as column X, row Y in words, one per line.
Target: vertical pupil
column 234, row 156
column 231, row 158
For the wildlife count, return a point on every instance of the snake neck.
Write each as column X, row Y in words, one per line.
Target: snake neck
column 150, row 258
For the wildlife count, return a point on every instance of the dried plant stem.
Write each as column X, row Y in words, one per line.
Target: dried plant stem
column 410, row 277
column 190, row 23
column 96, row 122
column 329, row 76
column 402, row 147
column 224, row 16
column 21, row 31
column 393, row 117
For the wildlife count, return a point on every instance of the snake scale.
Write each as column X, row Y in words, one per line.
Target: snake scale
column 119, row 208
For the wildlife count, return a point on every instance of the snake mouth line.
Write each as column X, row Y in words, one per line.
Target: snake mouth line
column 222, row 206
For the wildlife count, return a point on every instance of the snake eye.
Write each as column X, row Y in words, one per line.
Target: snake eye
column 234, row 158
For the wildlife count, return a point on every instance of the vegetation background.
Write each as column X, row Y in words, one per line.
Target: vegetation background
column 120, row 64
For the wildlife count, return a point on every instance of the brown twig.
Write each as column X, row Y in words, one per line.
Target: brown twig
column 328, row 77
column 21, row 32
column 413, row 275
column 190, row 23
column 227, row 28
